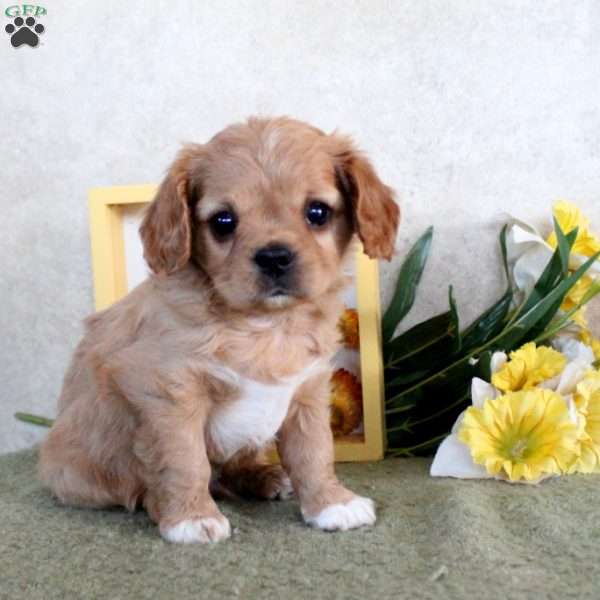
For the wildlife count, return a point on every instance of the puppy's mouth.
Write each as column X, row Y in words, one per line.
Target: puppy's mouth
column 279, row 297
column 278, row 293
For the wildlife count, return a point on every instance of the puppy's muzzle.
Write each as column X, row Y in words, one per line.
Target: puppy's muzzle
column 276, row 263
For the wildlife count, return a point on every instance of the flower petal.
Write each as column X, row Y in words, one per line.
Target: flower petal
column 481, row 391
column 528, row 253
column 499, row 359
column 576, row 260
column 573, row 374
column 574, row 349
column 453, row 459
column 458, row 422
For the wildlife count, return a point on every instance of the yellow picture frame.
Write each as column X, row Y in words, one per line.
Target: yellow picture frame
column 106, row 209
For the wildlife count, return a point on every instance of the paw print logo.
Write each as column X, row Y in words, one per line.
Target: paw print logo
column 24, row 32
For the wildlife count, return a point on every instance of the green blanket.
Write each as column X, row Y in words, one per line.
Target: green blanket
column 435, row 538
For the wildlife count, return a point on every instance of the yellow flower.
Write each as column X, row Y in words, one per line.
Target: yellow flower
column 568, row 217
column 579, row 318
column 574, row 298
column 587, row 402
column 348, row 325
column 527, row 367
column 521, row 435
column 346, row 402
column 587, row 338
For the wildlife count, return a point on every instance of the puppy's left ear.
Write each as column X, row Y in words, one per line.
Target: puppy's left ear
column 375, row 213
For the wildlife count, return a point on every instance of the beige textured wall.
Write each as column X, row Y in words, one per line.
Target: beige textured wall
column 467, row 108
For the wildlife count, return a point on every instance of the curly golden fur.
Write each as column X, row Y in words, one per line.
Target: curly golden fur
column 176, row 390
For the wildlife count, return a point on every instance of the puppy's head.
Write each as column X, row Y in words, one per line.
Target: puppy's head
column 267, row 209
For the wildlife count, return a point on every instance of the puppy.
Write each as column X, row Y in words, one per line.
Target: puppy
column 178, row 388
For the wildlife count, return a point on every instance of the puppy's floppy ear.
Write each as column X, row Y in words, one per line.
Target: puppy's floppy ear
column 375, row 213
column 166, row 227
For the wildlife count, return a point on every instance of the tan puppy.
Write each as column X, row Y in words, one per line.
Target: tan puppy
column 181, row 385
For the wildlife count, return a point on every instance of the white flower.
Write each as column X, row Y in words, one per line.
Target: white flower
column 453, row 458
column 528, row 254
column 573, row 349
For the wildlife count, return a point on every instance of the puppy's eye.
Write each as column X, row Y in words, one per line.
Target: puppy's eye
column 317, row 213
column 223, row 223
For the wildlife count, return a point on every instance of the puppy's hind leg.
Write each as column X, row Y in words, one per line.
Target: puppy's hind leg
column 75, row 479
column 250, row 475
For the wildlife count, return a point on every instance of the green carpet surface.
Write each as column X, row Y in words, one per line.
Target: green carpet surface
column 435, row 538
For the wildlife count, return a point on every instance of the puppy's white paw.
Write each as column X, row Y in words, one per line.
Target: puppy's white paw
column 356, row 513
column 193, row 531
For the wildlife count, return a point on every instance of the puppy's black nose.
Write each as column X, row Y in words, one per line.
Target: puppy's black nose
column 274, row 260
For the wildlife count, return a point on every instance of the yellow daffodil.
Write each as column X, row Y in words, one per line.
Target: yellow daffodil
column 574, row 298
column 587, row 338
column 587, row 402
column 526, row 435
column 569, row 217
column 527, row 367
column 348, row 326
column 580, row 318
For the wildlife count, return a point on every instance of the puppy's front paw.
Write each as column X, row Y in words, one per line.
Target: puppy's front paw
column 193, row 531
column 357, row 512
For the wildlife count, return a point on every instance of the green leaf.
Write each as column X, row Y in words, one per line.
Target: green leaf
column 418, row 338
column 564, row 247
column 453, row 373
column 409, row 424
column 504, row 252
column 592, row 292
column 550, row 277
column 404, row 378
column 455, row 329
column 555, row 327
column 484, row 366
column 544, row 310
column 400, row 409
column 34, row 419
column 489, row 324
column 492, row 321
column 427, row 345
column 406, row 286
column 547, row 319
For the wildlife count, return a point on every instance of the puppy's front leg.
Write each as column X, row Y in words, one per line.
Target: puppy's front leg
column 170, row 445
column 306, row 449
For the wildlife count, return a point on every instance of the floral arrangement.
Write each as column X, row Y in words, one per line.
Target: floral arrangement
column 539, row 417
column 516, row 394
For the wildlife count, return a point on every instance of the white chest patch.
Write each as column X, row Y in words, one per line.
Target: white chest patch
column 256, row 416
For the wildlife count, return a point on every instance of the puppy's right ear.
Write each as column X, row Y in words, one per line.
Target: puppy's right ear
column 166, row 227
